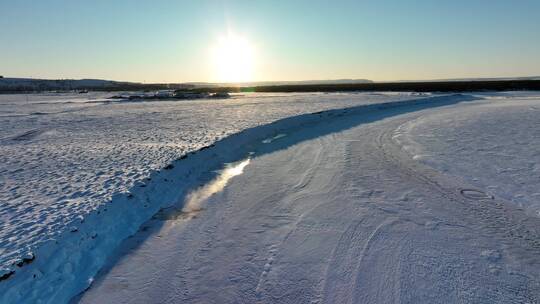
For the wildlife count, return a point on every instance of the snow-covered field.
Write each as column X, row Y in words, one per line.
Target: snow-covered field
column 69, row 161
column 494, row 144
column 380, row 198
column 353, row 207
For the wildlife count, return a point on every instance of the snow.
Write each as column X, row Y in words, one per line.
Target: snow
column 268, row 198
column 74, row 169
column 492, row 144
column 336, row 211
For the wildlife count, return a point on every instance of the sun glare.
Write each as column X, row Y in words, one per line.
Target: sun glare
column 233, row 59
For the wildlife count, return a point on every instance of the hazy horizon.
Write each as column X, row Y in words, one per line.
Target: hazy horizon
column 344, row 80
column 243, row 41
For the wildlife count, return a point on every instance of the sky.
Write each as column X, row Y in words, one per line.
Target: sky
column 219, row 41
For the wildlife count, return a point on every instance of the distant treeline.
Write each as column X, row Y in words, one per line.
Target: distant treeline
column 428, row 86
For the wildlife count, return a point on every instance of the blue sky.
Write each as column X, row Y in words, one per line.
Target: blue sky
column 171, row 41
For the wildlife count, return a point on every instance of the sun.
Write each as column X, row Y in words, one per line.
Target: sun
column 233, row 59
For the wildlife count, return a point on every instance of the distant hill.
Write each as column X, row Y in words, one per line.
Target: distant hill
column 403, row 86
column 310, row 82
column 471, row 79
column 14, row 85
column 30, row 84
column 36, row 85
column 275, row 83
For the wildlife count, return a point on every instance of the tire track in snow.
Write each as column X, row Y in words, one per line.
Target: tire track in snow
column 311, row 169
column 367, row 288
column 343, row 267
column 517, row 232
column 297, row 192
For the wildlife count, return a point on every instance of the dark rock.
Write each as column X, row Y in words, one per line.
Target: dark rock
column 6, row 275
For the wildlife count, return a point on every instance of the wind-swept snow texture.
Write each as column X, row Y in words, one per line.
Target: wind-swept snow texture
column 334, row 209
column 494, row 144
column 79, row 173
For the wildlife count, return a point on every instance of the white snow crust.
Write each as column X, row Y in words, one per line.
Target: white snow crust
column 68, row 163
column 493, row 144
column 270, row 198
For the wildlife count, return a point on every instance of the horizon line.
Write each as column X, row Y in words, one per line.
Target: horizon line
column 532, row 77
